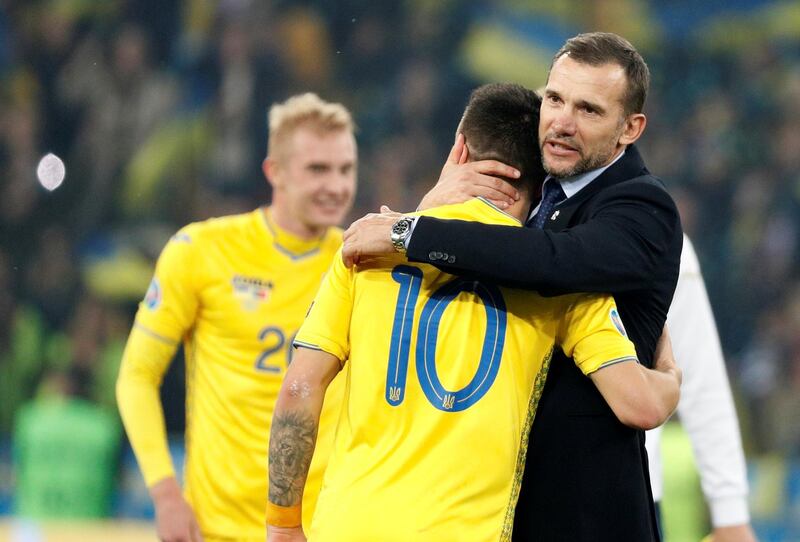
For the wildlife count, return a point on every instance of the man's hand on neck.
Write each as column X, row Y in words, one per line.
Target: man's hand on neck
column 462, row 180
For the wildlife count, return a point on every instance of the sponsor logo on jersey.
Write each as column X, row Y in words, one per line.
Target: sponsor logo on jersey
column 152, row 299
column 617, row 321
column 251, row 291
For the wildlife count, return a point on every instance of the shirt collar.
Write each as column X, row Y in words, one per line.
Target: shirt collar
column 574, row 184
column 284, row 241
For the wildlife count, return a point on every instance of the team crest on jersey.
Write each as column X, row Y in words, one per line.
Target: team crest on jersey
column 251, row 291
column 617, row 321
column 152, row 299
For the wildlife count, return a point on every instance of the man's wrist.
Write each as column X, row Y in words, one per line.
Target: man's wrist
column 165, row 489
column 284, row 516
column 400, row 232
column 729, row 511
column 414, row 220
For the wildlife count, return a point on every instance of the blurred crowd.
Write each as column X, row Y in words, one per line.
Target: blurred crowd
column 158, row 109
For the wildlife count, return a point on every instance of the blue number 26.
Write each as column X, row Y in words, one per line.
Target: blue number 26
column 410, row 279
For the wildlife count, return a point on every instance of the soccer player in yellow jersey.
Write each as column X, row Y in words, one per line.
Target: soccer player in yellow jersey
column 235, row 290
column 443, row 377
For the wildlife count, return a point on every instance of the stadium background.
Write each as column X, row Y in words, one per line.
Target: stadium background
column 158, row 109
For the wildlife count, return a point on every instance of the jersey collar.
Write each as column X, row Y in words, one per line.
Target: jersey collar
column 288, row 243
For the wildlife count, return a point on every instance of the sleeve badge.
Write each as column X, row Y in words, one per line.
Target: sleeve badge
column 152, row 299
column 617, row 321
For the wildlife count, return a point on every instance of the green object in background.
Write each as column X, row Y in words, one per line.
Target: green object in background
column 768, row 491
column 65, row 452
column 683, row 509
column 32, row 349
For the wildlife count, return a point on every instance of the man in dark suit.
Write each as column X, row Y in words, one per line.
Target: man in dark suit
column 605, row 224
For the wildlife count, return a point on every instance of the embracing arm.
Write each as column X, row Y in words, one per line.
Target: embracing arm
column 640, row 397
column 293, row 438
column 461, row 180
column 634, row 223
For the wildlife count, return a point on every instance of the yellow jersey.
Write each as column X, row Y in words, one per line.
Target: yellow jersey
column 235, row 290
column 443, row 376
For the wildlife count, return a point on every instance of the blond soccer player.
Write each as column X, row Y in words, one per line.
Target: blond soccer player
column 235, row 290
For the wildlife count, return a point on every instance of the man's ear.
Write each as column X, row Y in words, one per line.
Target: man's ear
column 633, row 128
column 272, row 173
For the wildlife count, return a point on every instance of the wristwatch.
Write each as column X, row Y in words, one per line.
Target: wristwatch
column 401, row 231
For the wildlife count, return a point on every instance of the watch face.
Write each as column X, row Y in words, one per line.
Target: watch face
column 400, row 227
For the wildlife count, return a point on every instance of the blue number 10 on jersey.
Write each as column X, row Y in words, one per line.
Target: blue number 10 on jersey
column 410, row 279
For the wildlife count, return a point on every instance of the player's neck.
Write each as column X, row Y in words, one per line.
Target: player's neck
column 283, row 219
column 520, row 208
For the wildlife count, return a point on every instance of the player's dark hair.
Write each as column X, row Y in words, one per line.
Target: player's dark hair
column 599, row 48
column 501, row 122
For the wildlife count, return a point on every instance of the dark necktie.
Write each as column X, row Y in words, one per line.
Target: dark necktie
column 553, row 195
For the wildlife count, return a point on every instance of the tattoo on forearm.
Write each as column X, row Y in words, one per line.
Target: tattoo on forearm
column 291, row 446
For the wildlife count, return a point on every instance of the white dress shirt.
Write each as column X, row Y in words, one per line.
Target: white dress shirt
column 706, row 408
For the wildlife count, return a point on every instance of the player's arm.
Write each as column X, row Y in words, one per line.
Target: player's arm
column 640, row 397
column 168, row 311
column 144, row 363
column 706, row 409
column 293, row 438
column 323, row 345
column 592, row 334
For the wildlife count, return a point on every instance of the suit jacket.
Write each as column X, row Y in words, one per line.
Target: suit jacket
column 586, row 473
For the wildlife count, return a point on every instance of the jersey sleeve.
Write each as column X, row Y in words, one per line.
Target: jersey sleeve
column 592, row 333
column 170, row 305
column 165, row 314
column 327, row 325
column 144, row 363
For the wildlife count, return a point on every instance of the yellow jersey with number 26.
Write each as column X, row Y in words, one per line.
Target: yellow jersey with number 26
column 234, row 290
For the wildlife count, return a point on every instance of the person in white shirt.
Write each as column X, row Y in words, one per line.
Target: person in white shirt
column 706, row 408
